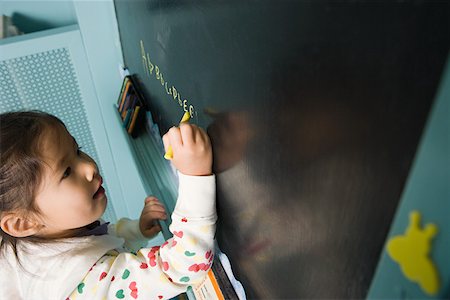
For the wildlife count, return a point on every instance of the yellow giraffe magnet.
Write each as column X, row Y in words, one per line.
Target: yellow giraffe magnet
column 411, row 251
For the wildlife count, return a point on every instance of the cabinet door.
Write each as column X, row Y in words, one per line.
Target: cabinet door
column 48, row 71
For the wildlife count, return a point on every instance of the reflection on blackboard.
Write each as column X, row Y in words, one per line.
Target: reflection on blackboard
column 315, row 111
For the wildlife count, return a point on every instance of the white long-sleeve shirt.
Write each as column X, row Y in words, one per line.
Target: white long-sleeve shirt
column 99, row 267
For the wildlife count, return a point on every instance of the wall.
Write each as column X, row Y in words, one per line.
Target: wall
column 102, row 46
column 31, row 16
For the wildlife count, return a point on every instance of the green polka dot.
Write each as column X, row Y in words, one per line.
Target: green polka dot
column 126, row 273
column 120, row 294
column 80, row 288
column 187, row 253
column 185, row 279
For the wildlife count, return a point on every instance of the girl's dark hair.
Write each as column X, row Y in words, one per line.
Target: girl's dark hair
column 21, row 164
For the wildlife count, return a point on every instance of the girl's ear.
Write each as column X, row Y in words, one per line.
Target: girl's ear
column 17, row 225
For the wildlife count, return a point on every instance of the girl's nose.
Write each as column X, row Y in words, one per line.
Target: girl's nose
column 89, row 168
column 91, row 171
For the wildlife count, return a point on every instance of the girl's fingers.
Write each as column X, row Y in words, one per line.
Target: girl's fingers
column 152, row 231
column 203, row 136
column 188, row 132
column 166, row 141
column 154, row 207
column 151, row 213
column 175, row 138
column 156, row 215
column 151, row 198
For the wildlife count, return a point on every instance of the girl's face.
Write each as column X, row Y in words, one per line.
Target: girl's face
column 70, row 195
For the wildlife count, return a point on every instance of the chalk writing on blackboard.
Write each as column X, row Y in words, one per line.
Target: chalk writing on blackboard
column 153, row 71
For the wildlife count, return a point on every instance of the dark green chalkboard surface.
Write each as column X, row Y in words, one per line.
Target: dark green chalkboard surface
column 315, row 110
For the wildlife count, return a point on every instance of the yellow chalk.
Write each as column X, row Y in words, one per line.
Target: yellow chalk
column 169, row 153
column 186, row 117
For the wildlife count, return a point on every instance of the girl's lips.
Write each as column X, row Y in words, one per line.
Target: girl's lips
column 99, row 193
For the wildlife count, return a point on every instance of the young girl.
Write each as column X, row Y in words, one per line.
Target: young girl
column 53, row 245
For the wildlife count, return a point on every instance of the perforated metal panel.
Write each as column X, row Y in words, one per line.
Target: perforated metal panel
column 47, row 81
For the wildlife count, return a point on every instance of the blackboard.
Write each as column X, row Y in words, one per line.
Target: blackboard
column 315, row 111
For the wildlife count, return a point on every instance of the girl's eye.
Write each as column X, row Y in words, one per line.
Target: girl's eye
column 67, row 172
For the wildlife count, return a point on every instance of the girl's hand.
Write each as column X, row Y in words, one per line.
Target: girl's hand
column 152, row 211
column 192, row 152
